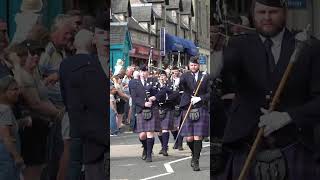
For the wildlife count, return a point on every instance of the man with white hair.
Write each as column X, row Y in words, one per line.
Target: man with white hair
column 85, row 98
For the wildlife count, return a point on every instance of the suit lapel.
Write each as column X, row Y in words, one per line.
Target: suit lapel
column 260, row 62
column 287, row 48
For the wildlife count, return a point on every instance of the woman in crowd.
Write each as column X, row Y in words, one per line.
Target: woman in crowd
column 11, row 161
column 34, row 94
column 121, row 99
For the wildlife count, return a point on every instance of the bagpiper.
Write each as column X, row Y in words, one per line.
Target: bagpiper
column 144, row 94
column 166, row 110
column 196, row 124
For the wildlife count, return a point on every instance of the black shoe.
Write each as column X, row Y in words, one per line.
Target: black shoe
column 164, row 153
column 175, row 147
column 196, row 165
column 180, row 148
column 192, row 162
column 149, row 159
column 161, row 151
column 206, row 139
column 144, row 155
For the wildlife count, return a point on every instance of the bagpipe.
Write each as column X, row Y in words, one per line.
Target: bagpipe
column 224, row 26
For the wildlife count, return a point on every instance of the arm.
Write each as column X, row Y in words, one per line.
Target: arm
column 9, row 141
column 32, row 99
column 308, row 113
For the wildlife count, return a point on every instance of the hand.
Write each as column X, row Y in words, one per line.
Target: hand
column 25, row 122
column 195, row 100
column 272, row 121
column 148, row 104
column 152, row 98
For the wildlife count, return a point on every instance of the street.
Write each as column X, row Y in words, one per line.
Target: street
column 126, row 162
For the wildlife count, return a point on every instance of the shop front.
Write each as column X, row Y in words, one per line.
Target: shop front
column 140, row 55
column 120, row 44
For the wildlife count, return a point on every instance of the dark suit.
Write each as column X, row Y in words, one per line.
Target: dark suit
column 188, row 84
column 246, row 58
column 84, row 87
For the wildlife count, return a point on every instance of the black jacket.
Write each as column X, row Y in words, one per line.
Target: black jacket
column 84, row 88
column 246, row 58
column 188, row 85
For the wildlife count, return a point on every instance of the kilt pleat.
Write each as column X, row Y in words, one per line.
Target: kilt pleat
column 168, row 122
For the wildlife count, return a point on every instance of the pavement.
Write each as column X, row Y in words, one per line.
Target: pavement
column 126, row 162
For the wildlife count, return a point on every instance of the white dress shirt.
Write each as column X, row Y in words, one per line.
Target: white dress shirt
column 276, row 47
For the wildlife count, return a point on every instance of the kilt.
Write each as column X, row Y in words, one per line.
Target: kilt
column 177, row 122
column 152, row 125
column 196, row 128
column 300, row 164
column 168, row 122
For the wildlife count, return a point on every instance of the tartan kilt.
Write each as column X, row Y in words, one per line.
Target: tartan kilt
column 168, row 122
column 196, row 128
column 177, row 122
column 152, row 125
column 299, row 159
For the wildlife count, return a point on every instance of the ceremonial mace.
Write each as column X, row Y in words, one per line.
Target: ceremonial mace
column 195, row 93
column 299, row 45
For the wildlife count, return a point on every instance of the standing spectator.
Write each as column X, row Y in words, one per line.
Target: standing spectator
column 4, row 41
column 113, row 112
column 118, row 66
column 85, row 98
column 102, row 37
column 76, row 19
column 120, row 99
column 125, row 83
column 26, row 19
column 11, row 160
column 34, row 93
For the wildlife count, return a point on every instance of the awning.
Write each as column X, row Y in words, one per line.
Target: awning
column 190, row 47
column 174, row 44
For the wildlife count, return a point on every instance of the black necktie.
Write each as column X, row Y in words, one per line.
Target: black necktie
column 268, row 44
column 194, row 76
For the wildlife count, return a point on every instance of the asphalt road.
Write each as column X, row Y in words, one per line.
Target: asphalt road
column 126, row 162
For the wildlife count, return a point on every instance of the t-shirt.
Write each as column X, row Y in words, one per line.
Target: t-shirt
column 6, row 116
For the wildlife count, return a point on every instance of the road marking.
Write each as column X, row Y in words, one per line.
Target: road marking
column 168, row 167
column 127, row 165
column 152, row 177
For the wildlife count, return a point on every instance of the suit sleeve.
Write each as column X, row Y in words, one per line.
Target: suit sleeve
column 309, row 113
column 95, row 101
